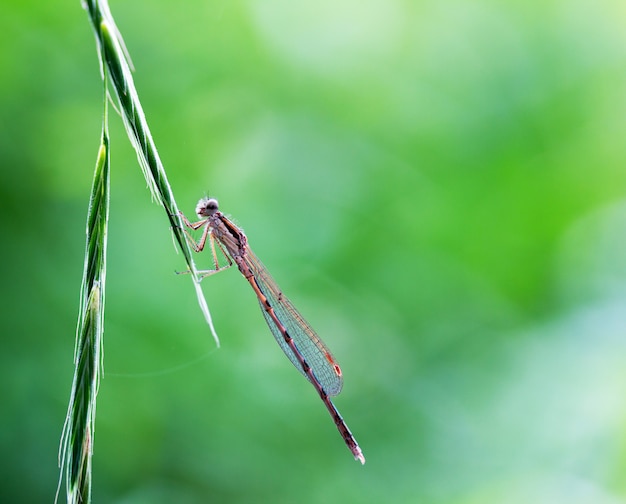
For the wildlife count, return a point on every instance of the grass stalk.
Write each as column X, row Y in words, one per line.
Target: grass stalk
column 78, row 432
column 77, row 440
column 115, row 59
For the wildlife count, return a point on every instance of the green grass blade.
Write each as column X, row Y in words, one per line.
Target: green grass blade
column 115, row 58
column 78, row 432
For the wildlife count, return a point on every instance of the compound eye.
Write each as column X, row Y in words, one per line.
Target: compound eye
column 206, row 207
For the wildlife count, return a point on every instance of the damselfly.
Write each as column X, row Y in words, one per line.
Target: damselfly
column 295, row 336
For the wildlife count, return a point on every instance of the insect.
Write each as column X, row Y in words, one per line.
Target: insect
column 296, row 338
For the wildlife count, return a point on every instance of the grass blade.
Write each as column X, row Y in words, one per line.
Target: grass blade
column 78, row 432
column 115, row 58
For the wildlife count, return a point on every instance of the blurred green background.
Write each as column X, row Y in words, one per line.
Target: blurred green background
column 438, row 186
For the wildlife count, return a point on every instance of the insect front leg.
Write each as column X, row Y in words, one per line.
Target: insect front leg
column 205, row 273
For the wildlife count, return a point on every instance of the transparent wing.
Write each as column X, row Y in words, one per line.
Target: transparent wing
column 311, row 347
